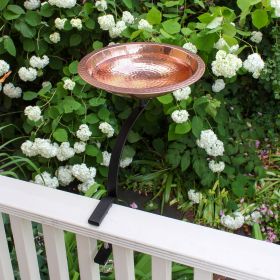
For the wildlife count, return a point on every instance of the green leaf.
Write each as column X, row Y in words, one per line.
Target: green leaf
column 197, row 126
column 128, row 151
column 257, row 233
column 46, row 10
column 135, row 34
column 229, row 29
column 29, row 95
column 165, row 99
column 90, row 23
column 171, row 26
column 18, row 10
column 260, row 18
column 73, row 67
column 60, row 135
column 26, row 30
column 97, row 45
column 103, row 114
column 75, row 40
column 92, row 118
column 9, row 46
column 185, row 161
column 3, row 4
column 92, row 150
column 97, row 101
column 33, row 18
column 128, row 4
column 154, row 16
column 28, row 45
column 69, row 104
column 245, row 4
column 133, row 137
column 183, row 128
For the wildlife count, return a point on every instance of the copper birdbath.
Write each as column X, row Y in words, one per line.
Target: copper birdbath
column 137, row 70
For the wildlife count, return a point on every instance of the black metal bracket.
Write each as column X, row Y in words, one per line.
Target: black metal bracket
column 103, row 254
column 112, row 186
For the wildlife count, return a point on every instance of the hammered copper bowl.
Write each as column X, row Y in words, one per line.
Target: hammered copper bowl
column 141, row 70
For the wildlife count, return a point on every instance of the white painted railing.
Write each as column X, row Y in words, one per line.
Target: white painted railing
column 166, row 240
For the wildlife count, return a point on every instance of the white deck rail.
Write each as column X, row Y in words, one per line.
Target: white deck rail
column 166, row 240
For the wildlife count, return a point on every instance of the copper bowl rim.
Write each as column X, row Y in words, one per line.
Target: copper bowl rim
column 83, row 72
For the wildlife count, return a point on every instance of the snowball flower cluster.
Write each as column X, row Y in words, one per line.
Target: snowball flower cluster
column 32, row 4
column 11, row 91
column 4, row 67
column 256, row 216
column 37, row 62
column 182, row 94
column 216, row 167
column 67, row 4
column 64, row 175
column 190, row 47
column 45, row 179
column 145, row 25
column 215, row 23
column 107, row 129
column 117, row 29
column 101, row 5
column 83, row 133
column 226, row 65
column 76, row 23
column 194, row 197
column 276, row 5
column 254, row 64
column 218, row 85
column 106, row 22
column 69, row 84
column 256, row 37
column 27, row 74
column 180, row 116
column 233, row 222
column 125, row 162
column 234, row 48
column 79, row 147
column 127, row 17
column 33, row 113
column 209, row 141
column 83, row 173
column 55, row 37
column 65, row 152
column 59, row 23
column 106, row 158
column 84, row 187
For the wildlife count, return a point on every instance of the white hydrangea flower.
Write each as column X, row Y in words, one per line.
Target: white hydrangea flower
column 4, row 67
column 220, row 44
column 125, row 162
column 226, row 65
column 276, row 5
column 209, row 141
column 27, row 74
column 180, row 116
column 106, row 158
column 32, row 4
column 45, row 148
column 45, row 179
column 79, row 147
column 254, row 64
column 127, row 17
column 83, row 133
column 233, row 222
column 65, row 151
column 101, row 5
column 67, row 4
column 145, row 25
column 12, row 91
column 194, row 197
column 83, row 173
column 84, row 187
column 190, row 47
column 107, row 129
column 256, row 37
column 215, row 23
column 76, row 23
column 182, row 94
column 256, row 216
column 28, row 149
column 64, row 175
column 216, row 167
column 33, row 113
column 69, row 84
column 37, row 62
column 234, row 48
column 55, row 37
column 59, row 23
column 118, row 29
column 106, row 22
column 218, row 85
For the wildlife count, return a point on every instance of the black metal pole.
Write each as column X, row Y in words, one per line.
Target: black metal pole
column 112, row 186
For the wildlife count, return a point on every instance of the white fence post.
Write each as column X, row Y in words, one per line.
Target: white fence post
column 25, row 248
column 56, row 253
column 202, row 274
column 161, row 269
column 87, row 249
column 6, row 270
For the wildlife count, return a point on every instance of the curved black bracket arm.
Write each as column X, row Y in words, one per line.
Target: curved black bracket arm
column 112, row 186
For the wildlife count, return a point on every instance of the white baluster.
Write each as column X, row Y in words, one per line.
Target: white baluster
column 161, row 269
column 202, row 275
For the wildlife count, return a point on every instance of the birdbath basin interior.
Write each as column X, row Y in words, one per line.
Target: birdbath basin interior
column 141, row 70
